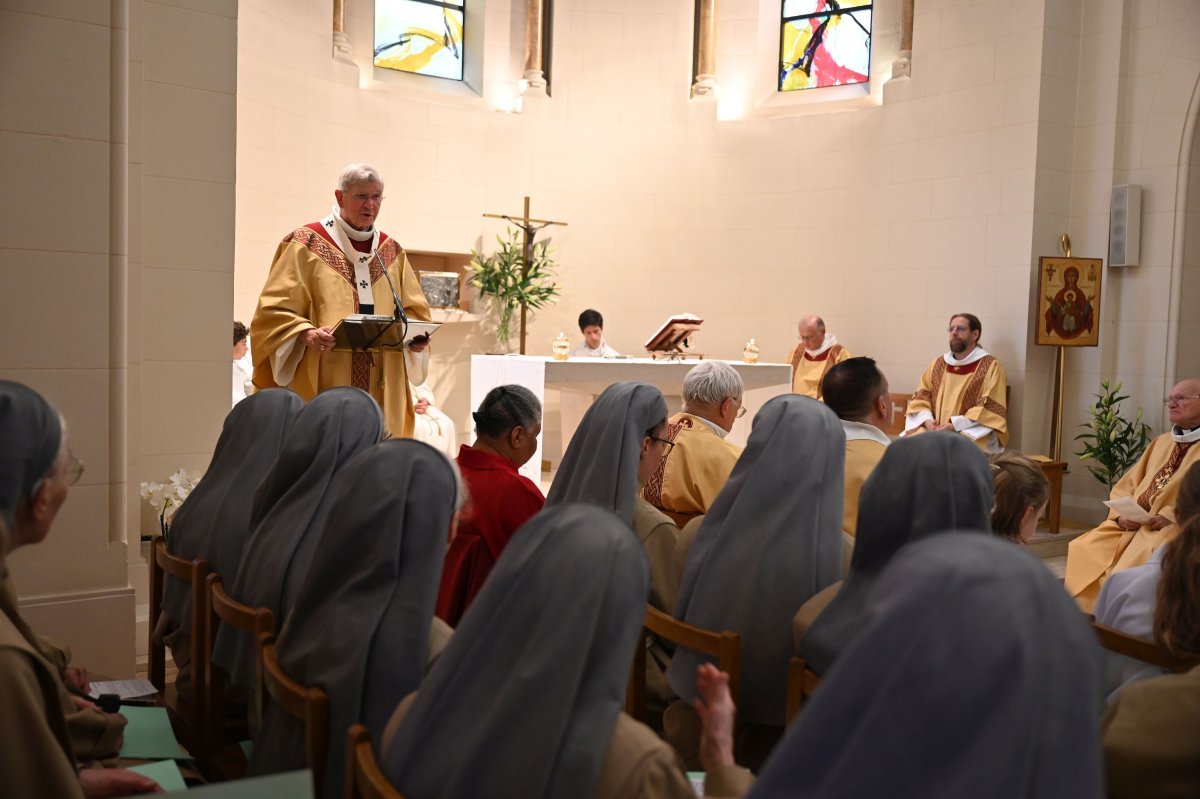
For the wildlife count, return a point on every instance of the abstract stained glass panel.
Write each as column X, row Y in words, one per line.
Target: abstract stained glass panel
column 421, row 36
column 824, row 43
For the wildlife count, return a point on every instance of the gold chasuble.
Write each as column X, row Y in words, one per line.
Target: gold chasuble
column 969, row 394
column 865, row 445
column 693, row 471
column 1154, row 483
column 312, row 284
column 809, row 369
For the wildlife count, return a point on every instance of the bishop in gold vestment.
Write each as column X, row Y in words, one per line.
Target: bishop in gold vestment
column 814, row 356
column 1154, row 483
column 964, row 390
column 323, row 272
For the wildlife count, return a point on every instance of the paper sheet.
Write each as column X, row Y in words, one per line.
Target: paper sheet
column 289, row 785
column 149, row 735
column 126, row 689
column 1128, row 508
column 164, row 772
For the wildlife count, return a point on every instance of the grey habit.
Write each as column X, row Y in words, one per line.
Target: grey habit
column 360, row 628
column 600, row 465
column 923, row 485
column 292, row 503
column 30, row 437
column 975, row 676
column 772, row 539
column 215, row 520
column 525, row 697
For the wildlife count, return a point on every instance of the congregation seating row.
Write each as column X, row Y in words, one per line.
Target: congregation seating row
column 212, row 737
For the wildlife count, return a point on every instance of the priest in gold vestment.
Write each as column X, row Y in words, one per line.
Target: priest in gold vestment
column 323, row 272
column 1119, row 543
column 857, row 391
column 698, row 461
column 814, row 356
column 963, row 390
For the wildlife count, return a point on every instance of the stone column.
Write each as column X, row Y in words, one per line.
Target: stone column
column 706, row 49
column 341, row 42
column 534, row 18
column 902, row 66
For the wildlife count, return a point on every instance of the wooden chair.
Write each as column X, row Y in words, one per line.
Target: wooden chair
column 802, row 681
column 225, row 733
column 899, row 406
column 364, row 778
column 188, row 715
column 725, row 646
column 1143, row 650
column 308, row 704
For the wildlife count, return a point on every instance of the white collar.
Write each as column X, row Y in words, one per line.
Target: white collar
column 357, row 235
column 860, row 431
column 977, row 354
column 1182, row 437
column 716, row 428
column 830, row 340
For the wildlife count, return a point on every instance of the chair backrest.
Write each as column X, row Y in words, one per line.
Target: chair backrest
column 725, row 646
column 308, row 704
column 364, row 778
column 1143, row 650
column 899, row 406
column 802, row 681
column 192, row 572
column 221, row 608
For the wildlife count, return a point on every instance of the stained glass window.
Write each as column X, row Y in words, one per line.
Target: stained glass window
column 824, row 43
column 421, row 36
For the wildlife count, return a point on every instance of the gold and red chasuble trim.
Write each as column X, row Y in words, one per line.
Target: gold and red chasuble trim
column 974, row 392
column 654, row 487
column 1164, row 474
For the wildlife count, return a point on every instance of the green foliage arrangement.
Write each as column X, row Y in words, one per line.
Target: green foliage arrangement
column 512, row 283
column 1112, row 442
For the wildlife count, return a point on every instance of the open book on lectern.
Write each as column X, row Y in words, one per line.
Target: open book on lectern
column 367, row 332
column 674, row 332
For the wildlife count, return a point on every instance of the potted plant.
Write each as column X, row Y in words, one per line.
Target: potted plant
column 1112, row 442
column 511, row 282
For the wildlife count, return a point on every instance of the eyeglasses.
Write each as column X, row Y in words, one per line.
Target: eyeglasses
column 1178, row 399
column 362, row 198
column 957, row 329
column 74, row 469
column 669, row 444
column 741, row 408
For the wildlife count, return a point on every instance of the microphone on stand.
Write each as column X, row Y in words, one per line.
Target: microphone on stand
column 399, row 313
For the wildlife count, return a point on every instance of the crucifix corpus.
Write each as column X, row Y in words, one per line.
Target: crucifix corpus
column 530, row 228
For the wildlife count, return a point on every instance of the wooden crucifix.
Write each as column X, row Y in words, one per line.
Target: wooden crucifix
column 530, row 228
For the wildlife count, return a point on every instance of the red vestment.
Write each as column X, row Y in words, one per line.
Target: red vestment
column 501, row 500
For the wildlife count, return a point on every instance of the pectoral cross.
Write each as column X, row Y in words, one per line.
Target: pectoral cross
column 529, row 227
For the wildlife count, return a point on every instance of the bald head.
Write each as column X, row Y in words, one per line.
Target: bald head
column 812, row 331
column 1183, row 404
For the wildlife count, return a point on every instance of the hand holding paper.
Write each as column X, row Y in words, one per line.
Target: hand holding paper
column 1127, row 508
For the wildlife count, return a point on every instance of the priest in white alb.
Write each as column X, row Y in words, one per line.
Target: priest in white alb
column 964, row 390
column 814, row 356
column 323, row 272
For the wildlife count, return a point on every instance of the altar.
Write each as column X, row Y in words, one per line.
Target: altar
column 578, row 381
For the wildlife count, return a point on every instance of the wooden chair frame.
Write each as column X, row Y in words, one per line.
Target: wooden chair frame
column 189, row 714
column 308, row 704
column 1142, row 649
column 364, row 778
column 725, row 646
column 802, row 682
column 221, row 608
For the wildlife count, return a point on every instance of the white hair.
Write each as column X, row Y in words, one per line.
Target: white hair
column 355, row 174
column 710, row 382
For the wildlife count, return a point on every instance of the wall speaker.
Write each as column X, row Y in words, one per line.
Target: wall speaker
column 1125, row 225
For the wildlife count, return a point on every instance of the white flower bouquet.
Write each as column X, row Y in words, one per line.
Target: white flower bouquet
column 167, row 497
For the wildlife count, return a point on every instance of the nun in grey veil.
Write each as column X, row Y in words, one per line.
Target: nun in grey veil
column 527, row 696
column 600, row 466
column 923, row 485
column 290, row 509
column 975, row 675
column 360, row 628
column 771, row 540
column 214, row 521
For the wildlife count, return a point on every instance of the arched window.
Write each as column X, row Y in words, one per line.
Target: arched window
column 420, row 36
column 824, row 43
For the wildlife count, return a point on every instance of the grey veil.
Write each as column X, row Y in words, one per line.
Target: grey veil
column 601, row 463
column 974, row 675
column 771, row 540
column 291, row 507
column 30, row 437
column 360, row 628
column 927, row 484
column 525, row 697
column 214, row 522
